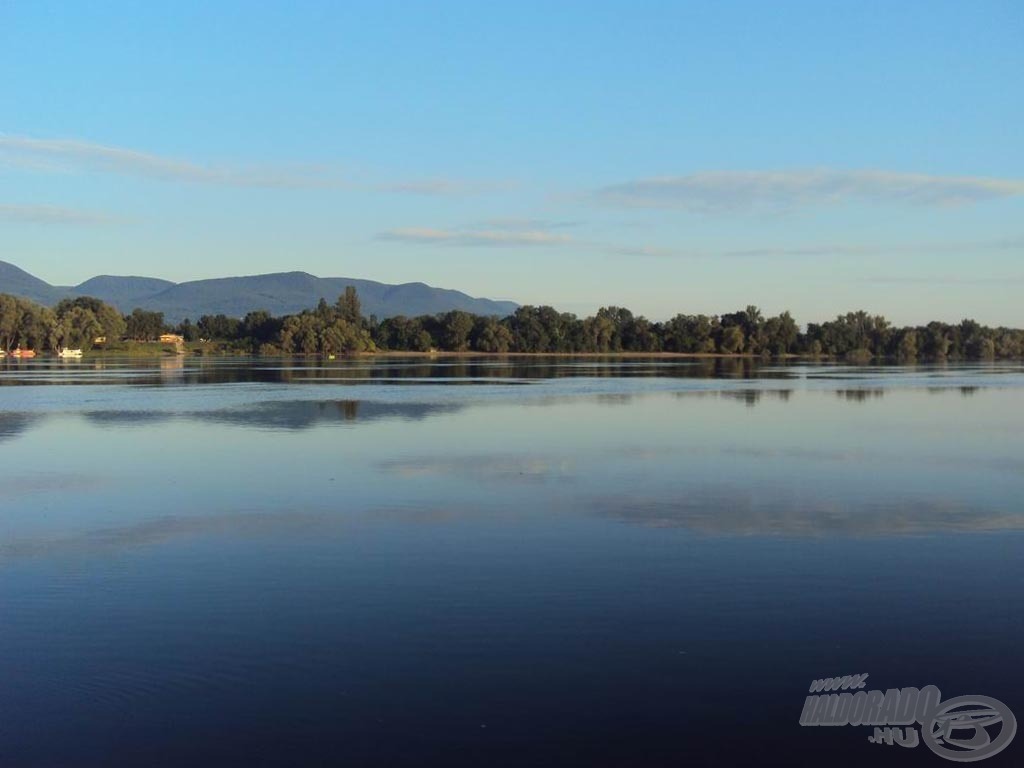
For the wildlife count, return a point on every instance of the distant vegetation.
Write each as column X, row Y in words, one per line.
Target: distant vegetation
column 341, row 328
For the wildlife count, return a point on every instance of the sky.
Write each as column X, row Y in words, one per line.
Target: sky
column 667, row 157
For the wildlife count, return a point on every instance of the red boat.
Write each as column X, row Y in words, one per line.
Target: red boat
column 23, row 353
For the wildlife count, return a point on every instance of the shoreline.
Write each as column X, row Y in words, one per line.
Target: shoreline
column 207, row 352
column 163, row 354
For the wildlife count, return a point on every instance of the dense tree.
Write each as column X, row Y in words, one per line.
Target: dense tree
column 530, row 329
column 326, row 330
column 349, row 306
column 10, row 321
column 218, row 327
column 1009, row 343
column 906, row 349
column 491, row 335
column 456, row 327
column 259, row 327
column 780, row 334
column 688, row 333
column 936, row 341
column 25, row 324
column 732, row 340
column 336, row 329
column 76, row 328
column 144, row 326
column 187, row 330
column 111, row 322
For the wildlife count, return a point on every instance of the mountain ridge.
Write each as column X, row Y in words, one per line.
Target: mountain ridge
column 279, row 293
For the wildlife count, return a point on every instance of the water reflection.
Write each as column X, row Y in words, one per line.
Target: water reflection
column 501, row 468
column 53, row 481
column 13, row 424
column 296, row 553
column 286, row 415
column 751, row 397
column 161, row 530
column 181, row 371
column 860, row 395
column 738, row 510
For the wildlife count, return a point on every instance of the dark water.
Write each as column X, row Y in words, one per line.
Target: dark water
column 459, row 563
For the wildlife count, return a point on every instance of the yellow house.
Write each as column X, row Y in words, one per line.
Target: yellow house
column 171, row 338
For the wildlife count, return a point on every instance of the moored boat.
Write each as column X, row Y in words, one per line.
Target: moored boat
column 23, row 353
column 69, row 353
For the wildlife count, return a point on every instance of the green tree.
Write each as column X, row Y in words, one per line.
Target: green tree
column 187, row 330
column 732, row 340
column 491, row 336
column 349, row 306
column 781, row 334
column 219, row 327
column 10, row 321
column 76, row 328
column 422, row 342
column 144, row 326
column 456, row 327
column 907, row 348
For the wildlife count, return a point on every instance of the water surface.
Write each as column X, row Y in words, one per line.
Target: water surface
column 497, row 561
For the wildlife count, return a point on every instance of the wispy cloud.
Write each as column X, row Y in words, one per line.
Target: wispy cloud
column 944, row 280
column 475, row 237
column 725, row 191
column 519, row 224
column 49, row 214
column 824, row 249
column 76, row 155
column 445, row 187
column 48, row 155
column 727, row 253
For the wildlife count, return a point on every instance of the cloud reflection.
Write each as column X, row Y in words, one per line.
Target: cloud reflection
column 494, row 467
column 160, row 530
column 720, row 509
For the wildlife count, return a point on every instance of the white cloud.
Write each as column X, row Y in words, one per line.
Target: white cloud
column 77, row 155
column 478, row 237
column 723, row 191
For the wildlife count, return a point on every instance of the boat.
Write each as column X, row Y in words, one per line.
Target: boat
column 69, row 353
column 23, row 353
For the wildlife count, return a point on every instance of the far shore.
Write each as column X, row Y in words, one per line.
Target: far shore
column 694, row 355
column 149, row 352
column 195, row 350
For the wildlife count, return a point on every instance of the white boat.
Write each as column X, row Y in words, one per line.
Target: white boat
column 69, row 353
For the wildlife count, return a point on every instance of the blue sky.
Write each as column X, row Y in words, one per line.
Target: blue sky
column 668, row 157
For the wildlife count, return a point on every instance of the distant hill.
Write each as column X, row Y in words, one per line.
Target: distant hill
column 18, row 282
column 279, row 293
column 121, row 291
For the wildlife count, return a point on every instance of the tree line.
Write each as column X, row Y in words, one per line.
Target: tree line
column 341, row 328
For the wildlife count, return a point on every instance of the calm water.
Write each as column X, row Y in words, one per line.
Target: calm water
column 551, row 562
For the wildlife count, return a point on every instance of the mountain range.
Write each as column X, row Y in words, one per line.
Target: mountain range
column 280, row 293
